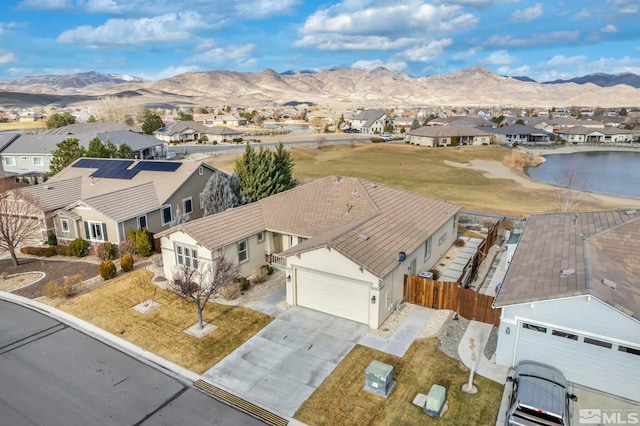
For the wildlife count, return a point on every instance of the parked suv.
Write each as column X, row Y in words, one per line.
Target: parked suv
column 538, row 396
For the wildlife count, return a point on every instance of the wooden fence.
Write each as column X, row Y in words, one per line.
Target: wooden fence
column 450, row 295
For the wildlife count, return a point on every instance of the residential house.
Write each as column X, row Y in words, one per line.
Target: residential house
column 582, row 134
column 220, row 120
column 521, row 134
column 190, row 131
column 345, row 243
column 102, row 199
column 459, row 120
column 554, row 124
column 31, row 155
column 571, row 298
column 434, row 136
column 371, row 121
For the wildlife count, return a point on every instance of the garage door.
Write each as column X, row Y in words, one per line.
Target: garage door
column 595, row 363
column 333, row 294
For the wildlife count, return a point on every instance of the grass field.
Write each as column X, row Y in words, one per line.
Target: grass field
column 341, row 400
column 423, row 170
column 31, row 125
column 161, row 330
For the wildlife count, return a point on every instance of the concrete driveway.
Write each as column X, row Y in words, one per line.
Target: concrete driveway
column 283, row 364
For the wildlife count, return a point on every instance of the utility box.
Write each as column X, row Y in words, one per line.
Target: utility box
column 378, row 378
column 435, row 401
column 426, row 274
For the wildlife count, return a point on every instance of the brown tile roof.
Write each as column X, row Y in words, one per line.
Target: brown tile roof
column 596, row 245
column 53, row 195
column 118, row 205
column 336, row 212
column 447, row 131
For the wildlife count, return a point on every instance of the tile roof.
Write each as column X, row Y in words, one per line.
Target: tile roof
column 118, row 205
column 180, row 126
column 89, row 128
column 55, row 195
column 136, row 141
column 368, row 115
column 520, row 129
column 597, row 246
column 336, row 212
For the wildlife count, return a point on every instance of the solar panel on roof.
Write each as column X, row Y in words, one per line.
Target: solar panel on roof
column 157, row 166
column 115, row 173
column 99, row 163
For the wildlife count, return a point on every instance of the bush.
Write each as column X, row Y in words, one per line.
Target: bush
column 63, row 250
column 106, row 251
column 52, row 290
column 107, row 269
column 39, row 251
column 52, row 240
column 260, row 276
column 127, row 247
column 377, row 140
column 230, row 291
column 267, row 268
column 459, row 242
column 79, row 247
column 70, row 285
column 144, row 245
column 126, row 262
column 244, row 283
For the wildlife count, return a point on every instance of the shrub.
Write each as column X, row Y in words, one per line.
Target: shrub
column 39, row 251
column 52, row 240
column 70, row 285
column 106, row 251
column 230, row 291
column 107, row 269
column 127, row 247
column 260, row 276
column 487, row 222
column 52, row 290
column 377, row 140
column 63, row 250
column 144, row 245
column 126, row 262
column 267, row 268
column 244, row 283
column 79, row 247
column 459, row 242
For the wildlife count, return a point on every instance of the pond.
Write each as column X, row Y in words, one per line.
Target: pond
column 613, row 173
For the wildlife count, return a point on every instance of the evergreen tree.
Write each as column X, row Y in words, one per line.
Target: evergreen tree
column 415, row 124
column 264, row 173
column 150, row 121
column 59, row 120
column 125, row 151
column 67, row 151
column 218, row 195
column 96, row 149
column 283, row 169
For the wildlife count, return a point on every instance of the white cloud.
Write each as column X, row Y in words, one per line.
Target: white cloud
column 205, row 44
column 565, row 67
column 609, row 29
column 225, row 56
column 553, row 38
column 117, row 32
column 261, row 9
column 528, row 14
column 625, row 7
column 7, row 57
column 381, row 25
column 373, row 64
column 428, row 52
column 500, row 57
column 171, row 71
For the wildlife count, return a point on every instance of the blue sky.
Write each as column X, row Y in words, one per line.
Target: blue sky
column 155, row 39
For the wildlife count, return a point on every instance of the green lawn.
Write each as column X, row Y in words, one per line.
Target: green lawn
column 341, row 400
column 160, row 330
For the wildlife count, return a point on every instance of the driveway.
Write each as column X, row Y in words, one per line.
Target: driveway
column 283, row 364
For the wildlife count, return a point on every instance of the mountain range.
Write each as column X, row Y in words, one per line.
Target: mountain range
column 343, row 88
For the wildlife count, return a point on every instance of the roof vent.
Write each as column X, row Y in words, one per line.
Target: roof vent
column 575, row 219
column 567, row 272
column 373, row 185
column 612, row 285
column 364, row 237
column 348, row 208
column 630, row 212
column 338, row 179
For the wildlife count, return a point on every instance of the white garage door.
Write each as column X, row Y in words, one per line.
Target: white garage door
column 333, row 294
column 594, row 363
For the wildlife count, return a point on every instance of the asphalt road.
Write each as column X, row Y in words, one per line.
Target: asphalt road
column 52, row 374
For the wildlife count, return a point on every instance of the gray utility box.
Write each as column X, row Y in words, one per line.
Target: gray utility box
column 435, row 400
column 378, row 378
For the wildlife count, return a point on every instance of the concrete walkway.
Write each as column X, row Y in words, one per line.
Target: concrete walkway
column 403, row 337
column 480, row 331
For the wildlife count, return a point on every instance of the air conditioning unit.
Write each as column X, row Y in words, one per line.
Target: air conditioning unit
column 426, row 274
column 378, row 378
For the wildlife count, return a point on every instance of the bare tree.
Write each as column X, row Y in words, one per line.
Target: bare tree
column 572, row 192
column 19, row 218
column 219, row 194
column 179, row 218
column 198, row 283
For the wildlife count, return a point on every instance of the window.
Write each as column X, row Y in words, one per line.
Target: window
column 64, row 224
column 629, row 350
column 427, row 249
column 564, row 334
column 260, row 237
column 442, row 239
column 38, row 161
column 142, row 221
column 10, row 161
column 243, row 251
column 96, row 231
column 187, row 205
column 200, row 170
column 597, row 343
column 186, row 256
column 166, row 215
column 534, row 327
column 291, row 241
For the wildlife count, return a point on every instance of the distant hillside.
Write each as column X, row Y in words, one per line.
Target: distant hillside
column 604, row 80
column 340, row 89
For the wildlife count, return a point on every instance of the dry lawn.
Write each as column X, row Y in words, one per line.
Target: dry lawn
column 341, row 400
column 424, row 171
column 29, row 125
column 161, row 330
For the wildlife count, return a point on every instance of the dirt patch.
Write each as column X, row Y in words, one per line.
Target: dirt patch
column 52, row 269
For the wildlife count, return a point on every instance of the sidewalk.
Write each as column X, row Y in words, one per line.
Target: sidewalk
column 480, row 332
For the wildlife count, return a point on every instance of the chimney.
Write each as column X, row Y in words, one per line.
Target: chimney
column 348, row 208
